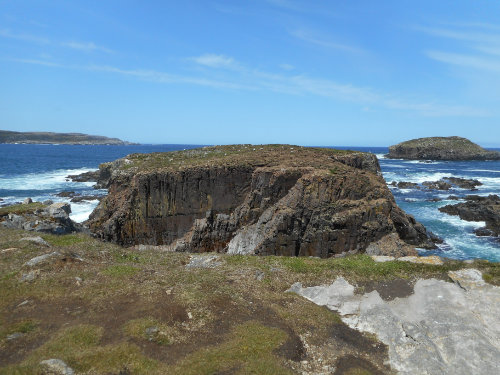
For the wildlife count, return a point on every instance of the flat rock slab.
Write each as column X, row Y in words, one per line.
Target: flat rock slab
column 41, row 259
column 433, row 259
column 204, row 261
column 442, row 328
column 382, row 258
column 468, row 278
column 37, row 239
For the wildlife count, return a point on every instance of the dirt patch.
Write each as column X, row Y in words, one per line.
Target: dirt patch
column 348, row 337
column 389, row 289
column 48, row 316
column 350, row 364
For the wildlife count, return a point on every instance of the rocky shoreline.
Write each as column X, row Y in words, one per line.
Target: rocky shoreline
column 477, row 208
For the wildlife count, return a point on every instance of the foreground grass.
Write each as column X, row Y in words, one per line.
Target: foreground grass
column 19, row 209
column 105, row 309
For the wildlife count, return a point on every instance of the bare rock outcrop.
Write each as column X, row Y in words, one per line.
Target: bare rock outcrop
column 442, row 328
column 267, row 200
column 36, row 217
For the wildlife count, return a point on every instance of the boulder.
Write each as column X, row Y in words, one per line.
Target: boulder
column 56, row 366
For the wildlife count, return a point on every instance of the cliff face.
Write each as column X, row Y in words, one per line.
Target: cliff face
column 441, row 148
column 282, row 200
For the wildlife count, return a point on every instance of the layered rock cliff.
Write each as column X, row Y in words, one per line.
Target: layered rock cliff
column 268, row 200
column 441, row 148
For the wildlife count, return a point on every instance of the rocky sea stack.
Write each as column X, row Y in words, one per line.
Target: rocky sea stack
column 267, row 200
column 441, row 148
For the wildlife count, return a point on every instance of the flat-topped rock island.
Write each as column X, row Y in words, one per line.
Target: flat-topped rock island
column 441, row 148
column 243, row 199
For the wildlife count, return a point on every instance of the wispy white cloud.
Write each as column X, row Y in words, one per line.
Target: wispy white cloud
column 215, row 61
column 38, row 62
column 30, row 38
column 323, row 41
column 255, row 80
column 163, row 77
column 5, row 33
column 470, row 61
column 478, row 47
column 475, row 37
column 287, row 67
column 86, row 46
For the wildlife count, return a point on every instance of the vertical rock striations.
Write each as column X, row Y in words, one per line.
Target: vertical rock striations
column 267, row 200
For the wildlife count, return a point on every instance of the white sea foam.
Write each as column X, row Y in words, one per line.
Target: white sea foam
column 380, row 156
column 423, row 162
column 50, row 183
column 420, row 177
column 398, row 166
column 492, row 183
column 80, row 211
column 44, row 181
column 466, row 247
column 483, row 170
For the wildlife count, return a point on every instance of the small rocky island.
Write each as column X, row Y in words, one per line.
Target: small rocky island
column 441, row 148
column 243, row 199
column 57, row 138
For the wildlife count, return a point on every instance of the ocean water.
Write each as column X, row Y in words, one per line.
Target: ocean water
column 460, row 241
column 39, row 172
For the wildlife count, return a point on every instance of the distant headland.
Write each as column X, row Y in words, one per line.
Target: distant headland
column 441, row 148
column 58, row 138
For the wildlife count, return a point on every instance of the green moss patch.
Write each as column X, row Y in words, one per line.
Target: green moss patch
column 249, row 350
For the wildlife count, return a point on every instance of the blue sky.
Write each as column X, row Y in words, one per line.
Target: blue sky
column 353, row 73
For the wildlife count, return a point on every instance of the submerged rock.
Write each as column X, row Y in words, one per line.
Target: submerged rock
column 270, row 200
column 464, row 183
column 437, row 185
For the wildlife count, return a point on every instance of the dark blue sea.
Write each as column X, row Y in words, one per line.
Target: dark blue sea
column 39, row 172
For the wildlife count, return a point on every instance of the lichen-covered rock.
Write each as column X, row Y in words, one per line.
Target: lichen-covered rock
column 267, row 200
column 441, row 148
column 56, row 366
column 442, row 328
